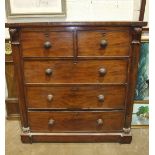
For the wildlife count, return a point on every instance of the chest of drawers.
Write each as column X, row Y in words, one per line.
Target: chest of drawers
column 76, row 81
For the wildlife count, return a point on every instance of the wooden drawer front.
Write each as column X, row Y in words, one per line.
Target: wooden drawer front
column 71, row 97
column 33, row 44
column 118, row 43
column 75, row 121
column 66, row 71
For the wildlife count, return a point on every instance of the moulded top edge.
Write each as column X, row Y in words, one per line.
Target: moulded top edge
column 111, row 23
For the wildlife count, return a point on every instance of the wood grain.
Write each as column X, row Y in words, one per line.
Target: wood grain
column 78, row 138
column 80, row 72
column 75, row 121
column 83, row 24
column 11, row 80
column 11, row 102
column 136, row 36
column 15, row 38
column 12, row 108
column 89, row 43
column 77, row 97
column 33, row 43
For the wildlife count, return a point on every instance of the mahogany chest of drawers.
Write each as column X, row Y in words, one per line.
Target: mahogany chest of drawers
column 76, row 81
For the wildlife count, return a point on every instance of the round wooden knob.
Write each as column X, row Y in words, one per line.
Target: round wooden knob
column 100, row 122
column 47, row 45
column 50, row 97
column 51, row 122
column 102, row 71
column 103, row 43
column 48, row 71
column 101, row 98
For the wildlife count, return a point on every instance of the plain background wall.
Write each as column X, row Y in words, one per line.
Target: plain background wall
column 94, row 10
column 90, row 10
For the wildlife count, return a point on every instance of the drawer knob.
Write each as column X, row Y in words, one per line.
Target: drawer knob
column 47, row 45
column 103, row 43
column 51, row 122
column 102, row 71
column 101, row 98
column 48, row 71
column 50, row 97
column 100, row 122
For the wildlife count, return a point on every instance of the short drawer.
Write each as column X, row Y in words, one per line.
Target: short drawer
column 84, row 71
column 47, row 44
column 103, row 43
column 76, row 121
column 76, row 97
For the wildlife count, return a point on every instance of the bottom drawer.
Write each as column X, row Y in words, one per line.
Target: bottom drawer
column 97, row 121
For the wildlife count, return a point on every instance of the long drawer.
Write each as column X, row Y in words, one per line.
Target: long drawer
column 76, row 97
column 76, row 121
column 84, row 71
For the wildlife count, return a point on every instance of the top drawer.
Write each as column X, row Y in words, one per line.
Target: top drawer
column 61, row 43
column 103, row 43
column 39, row 43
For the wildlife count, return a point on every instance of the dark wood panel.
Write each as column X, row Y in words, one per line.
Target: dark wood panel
column 11, row 80
column 136, row 37
column 118, row 43
column 62, row 24
column 78, row 138
column 76, row 121
column 11, row 102
column 80, row 72
column 77, row 97
column 15, row 45
column 33, row 43
column 142, row 10
column 12, row 108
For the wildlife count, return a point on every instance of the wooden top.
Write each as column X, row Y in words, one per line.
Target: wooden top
column 109, row 23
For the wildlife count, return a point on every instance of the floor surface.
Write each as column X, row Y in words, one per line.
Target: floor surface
column 139, row 145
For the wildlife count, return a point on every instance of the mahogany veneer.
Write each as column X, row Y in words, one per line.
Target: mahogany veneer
column 68, row 71
column 76, row 97
column 76, row 121
column 76, row 81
